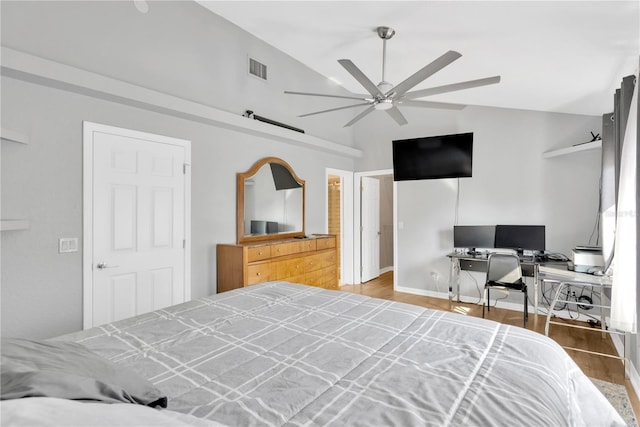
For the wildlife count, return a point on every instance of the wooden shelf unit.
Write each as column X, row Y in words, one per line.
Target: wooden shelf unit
column 311, row 261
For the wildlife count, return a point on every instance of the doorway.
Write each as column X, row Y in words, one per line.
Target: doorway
column 339, row 220
column 136, row 231
column 375, row 243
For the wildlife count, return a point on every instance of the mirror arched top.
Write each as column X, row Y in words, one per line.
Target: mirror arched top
column 270, row 202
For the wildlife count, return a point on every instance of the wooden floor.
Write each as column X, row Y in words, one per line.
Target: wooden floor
column 600, row 367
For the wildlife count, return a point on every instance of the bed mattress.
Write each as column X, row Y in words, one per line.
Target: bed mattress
column 285, row 354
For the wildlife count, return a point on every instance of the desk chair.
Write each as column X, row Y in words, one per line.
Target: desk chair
column 504, row 272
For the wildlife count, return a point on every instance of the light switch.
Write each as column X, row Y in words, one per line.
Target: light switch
column 67, row 244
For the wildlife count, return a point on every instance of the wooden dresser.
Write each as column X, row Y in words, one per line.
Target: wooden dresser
column 311, row 261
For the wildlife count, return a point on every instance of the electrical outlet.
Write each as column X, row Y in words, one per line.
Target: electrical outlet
column 67, row 245
column 435, row 276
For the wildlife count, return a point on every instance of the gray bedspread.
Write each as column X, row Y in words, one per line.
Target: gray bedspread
column 285, row 354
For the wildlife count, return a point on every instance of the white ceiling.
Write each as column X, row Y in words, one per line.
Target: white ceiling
column 561, row 56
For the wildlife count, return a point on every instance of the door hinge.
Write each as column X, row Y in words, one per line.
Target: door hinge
column 184, row 168
column 184, row 243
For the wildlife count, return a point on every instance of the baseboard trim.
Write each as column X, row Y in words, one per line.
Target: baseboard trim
column 513, row 306
column 630, row 370
column 386, row 269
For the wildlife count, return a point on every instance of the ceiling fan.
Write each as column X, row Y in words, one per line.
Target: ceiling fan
column 387, row 97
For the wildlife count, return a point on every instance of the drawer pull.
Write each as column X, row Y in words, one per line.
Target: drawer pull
column 258, row 273
column 259, row 252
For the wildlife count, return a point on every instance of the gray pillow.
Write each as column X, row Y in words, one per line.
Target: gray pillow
column 69, row 370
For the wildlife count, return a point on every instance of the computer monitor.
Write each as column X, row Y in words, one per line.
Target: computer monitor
column 474, row 236
column 520, row 237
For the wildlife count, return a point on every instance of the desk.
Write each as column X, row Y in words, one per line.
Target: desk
column 567, row 279
column 463, row 261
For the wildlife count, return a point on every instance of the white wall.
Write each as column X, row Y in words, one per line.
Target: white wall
column 199, row 57
column 511, row 184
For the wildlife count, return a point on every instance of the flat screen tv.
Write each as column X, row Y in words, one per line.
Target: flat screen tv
column 433, row 157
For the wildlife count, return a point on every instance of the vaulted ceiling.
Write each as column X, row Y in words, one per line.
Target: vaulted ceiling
column 560, row 56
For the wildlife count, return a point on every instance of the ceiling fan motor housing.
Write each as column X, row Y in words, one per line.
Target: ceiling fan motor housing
column 385, row 87
column 385, row 33
column 383, row 104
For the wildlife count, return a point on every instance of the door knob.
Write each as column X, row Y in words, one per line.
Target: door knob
column 102, row 266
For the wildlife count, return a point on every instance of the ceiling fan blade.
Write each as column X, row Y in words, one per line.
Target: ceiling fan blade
column 359, row 116
column 334, row 109
column 361, row 78
column 397, row 116
column 363, row 97
column 424, row 72
column 431, row 104
column 452, row 87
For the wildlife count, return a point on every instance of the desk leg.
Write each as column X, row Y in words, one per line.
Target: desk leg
column 603, row 326
column 553, row 304
column 454, row 280
column 536, row 287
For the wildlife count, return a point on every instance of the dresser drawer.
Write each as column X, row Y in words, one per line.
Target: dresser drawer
column 289, row 268
column 313, row 278
column 258, row 273
column 329, row 277
column 282, row 249
column 325, row 243
column 258, row 253
column 312, row 263
column 307, row 245
column 327, row 259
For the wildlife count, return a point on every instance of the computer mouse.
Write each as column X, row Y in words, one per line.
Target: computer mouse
column 596, row 271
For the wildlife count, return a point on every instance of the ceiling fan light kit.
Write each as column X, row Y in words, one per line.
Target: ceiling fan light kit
column 386, row 97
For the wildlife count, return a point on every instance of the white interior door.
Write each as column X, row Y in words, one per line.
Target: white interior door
column 370, row 221
column 137, row 257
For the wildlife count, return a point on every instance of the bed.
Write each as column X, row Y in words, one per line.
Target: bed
column 285, row 354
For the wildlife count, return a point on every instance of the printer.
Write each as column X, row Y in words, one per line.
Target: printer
column 587, row 259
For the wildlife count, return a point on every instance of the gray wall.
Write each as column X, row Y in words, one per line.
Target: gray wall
column 512, row 184
column 42, row 181
column 178, row 48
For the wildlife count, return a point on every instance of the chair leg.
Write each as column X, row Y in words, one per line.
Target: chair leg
column 526, row 309
column 488, row 299
column 485, row 294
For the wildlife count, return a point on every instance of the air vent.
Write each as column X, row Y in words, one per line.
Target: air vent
column 257, row 69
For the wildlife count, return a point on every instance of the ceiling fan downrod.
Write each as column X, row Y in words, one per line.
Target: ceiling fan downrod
column 385, row 33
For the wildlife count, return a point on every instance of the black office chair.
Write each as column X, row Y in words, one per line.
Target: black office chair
column 504, row 272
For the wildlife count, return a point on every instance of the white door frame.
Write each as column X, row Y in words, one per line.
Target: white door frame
column 88, row 128
column 357, row 224
column 346, row 222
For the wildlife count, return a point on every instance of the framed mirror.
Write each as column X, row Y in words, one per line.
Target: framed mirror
column 270, row 202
